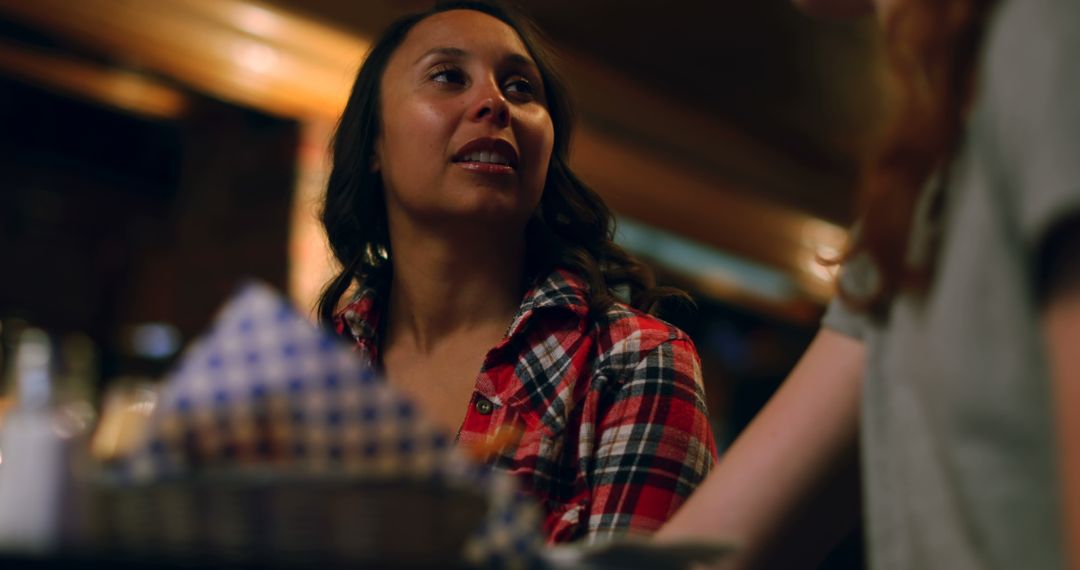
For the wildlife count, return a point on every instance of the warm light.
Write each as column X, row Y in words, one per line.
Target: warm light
column 255, row 56
column 145, row 401
column 126, row 90
column 257, row 21
column 124, row 418
column 823, row 262
column 311, row 264
column 819, row 267
column 241, row 51
column 827, row 252
column 821, row 235
column 822, row 246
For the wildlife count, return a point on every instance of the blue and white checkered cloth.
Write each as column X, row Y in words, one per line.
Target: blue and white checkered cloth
column 266, row 388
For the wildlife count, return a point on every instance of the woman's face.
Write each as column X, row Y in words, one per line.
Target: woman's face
column 465, row 133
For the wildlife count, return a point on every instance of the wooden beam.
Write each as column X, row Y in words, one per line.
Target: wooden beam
column 126, row 90
column 238, row 51
column 647, row 188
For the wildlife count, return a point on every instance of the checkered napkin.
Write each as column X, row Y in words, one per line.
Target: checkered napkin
column 267, row 389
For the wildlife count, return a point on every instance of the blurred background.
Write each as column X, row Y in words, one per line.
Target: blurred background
column 155, row 153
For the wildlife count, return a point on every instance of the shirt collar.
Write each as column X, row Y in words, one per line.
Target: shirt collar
column 362, row 316
column 560, row 289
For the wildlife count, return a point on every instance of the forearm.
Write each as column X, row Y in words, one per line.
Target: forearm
column 797, row 460
column 1062, row 327
column 1060, row 281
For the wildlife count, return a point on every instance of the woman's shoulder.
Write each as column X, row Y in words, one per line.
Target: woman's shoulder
column 622, row 319
column 626, row 337
column 622, row 335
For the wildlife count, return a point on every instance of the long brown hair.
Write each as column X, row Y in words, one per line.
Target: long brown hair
column 932, row 49
column 571, row 228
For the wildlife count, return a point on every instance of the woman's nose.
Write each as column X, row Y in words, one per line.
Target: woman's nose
column 491, row 106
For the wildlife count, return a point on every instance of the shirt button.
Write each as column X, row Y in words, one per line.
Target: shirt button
column 483, row 406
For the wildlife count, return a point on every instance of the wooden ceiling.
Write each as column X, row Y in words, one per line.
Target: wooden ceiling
column 732, row 123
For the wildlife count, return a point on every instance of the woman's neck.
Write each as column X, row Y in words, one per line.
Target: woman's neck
column 443, row 285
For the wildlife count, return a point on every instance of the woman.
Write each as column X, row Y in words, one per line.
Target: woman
column 957, row 334
column 487, row 277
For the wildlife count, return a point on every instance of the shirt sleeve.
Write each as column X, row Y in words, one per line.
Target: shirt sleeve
column 1030, row 80
column 857, row 277
column 840, row 318
column 655, row 444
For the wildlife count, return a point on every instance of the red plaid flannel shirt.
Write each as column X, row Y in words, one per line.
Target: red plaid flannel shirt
column 611, row 411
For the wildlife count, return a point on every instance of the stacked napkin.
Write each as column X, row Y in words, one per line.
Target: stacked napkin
column 267, row 395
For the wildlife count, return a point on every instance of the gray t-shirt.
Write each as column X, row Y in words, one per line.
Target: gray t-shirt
column 957, row 425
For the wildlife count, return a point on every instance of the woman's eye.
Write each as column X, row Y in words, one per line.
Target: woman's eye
column 521, row 87
column 448, row 75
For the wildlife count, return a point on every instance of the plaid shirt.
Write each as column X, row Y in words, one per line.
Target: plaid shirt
column 610, row 411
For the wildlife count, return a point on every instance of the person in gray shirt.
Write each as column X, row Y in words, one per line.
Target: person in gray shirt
column 945, row 381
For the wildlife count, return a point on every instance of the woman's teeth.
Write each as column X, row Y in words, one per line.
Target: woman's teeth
column 487, row 157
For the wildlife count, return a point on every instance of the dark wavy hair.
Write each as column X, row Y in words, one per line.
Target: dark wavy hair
column 932, row 49
column 571, row 227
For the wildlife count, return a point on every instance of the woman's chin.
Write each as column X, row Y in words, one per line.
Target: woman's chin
column 498, row 209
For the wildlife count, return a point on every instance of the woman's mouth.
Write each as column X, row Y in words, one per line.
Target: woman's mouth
column 487, row 155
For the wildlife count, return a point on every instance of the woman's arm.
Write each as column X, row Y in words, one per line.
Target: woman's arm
column 1060, row 266
column 654, row 443
column 787, row 490
column 1062, row 328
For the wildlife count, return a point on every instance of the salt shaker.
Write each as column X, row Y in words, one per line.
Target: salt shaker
column 33, row 473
